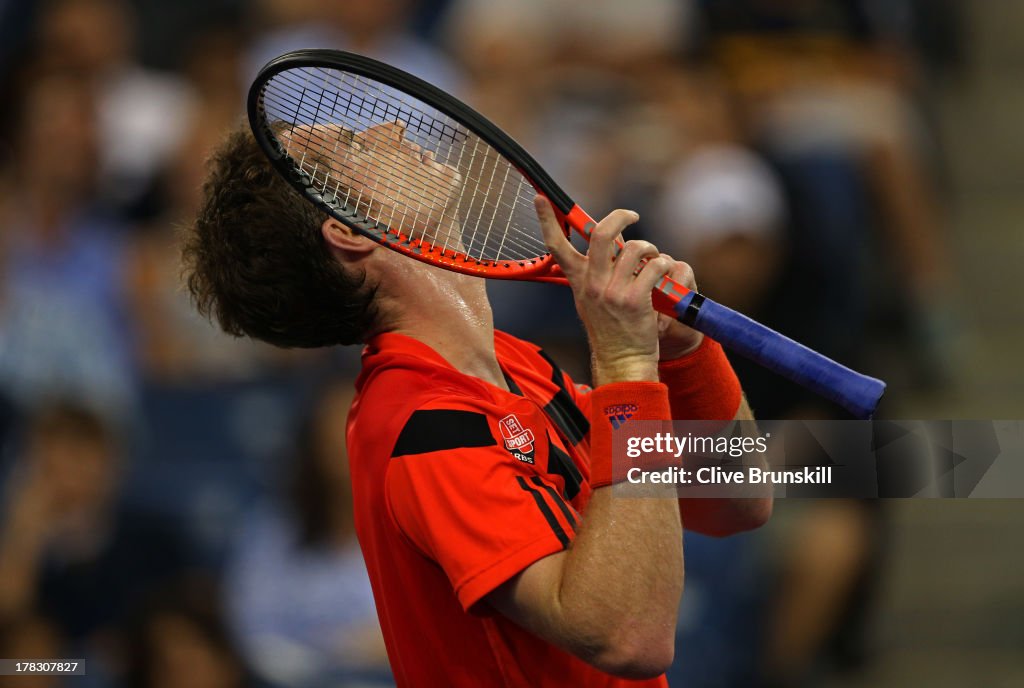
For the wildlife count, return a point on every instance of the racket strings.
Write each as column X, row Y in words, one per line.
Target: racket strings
column 303, row 143
column 488, row 217
column 310, row 134
column 530, row 247
column 499, row 203
column 370, row 115
column 526, row 250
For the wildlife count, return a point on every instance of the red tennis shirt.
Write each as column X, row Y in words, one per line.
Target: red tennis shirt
column 458, row 486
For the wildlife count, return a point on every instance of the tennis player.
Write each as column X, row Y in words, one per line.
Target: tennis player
column 481, row 473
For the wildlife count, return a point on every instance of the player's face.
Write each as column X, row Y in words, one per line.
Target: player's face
column 412, row 188
column 388, row 178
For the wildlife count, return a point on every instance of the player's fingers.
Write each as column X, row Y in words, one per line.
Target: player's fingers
column 628, row 262
column 566, row 255
column 602, row 243
column 682, row 273
column 650, row 274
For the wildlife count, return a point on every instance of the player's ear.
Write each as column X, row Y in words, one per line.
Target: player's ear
column 345, row 240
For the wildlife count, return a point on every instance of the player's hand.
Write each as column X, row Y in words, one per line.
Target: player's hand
column 674, row 338
column 613, row 297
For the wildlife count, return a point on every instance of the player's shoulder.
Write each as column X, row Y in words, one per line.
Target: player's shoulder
column 398, row 393
column 448, row 414
column 397, row 416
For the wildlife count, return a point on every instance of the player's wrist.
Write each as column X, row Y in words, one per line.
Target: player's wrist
column 609, row 376
column 624, row 368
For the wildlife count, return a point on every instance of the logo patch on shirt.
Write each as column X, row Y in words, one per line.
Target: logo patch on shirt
column 620, row 413
column 518, row 439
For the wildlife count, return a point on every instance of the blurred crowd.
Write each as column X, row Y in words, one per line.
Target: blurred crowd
column 175, row 505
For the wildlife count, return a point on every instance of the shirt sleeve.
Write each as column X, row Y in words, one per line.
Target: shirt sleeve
column 464, row 488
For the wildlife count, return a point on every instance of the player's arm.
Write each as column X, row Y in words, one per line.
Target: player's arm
column 611, row 598
column 703, row 386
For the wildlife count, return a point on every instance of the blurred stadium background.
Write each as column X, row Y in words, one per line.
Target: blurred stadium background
column 174, row 502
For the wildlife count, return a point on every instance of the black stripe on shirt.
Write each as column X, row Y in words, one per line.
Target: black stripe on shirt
column 571, row 421
column 566, row 510
column 512, row 386
column 567, row 416
column 549, row 515
column 560, row 463
column 434, row 430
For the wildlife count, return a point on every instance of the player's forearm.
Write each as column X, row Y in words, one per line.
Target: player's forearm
column 618, row 587
column 621, row 584
column 623, row 577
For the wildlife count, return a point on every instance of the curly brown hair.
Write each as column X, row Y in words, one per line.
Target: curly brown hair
column 255, row 258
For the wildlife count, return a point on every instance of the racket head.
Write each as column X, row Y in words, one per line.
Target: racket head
column 404, row 163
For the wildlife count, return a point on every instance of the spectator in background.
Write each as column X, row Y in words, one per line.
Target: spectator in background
column 142, row 115
column 727, row 205
column 299, row 596
column 720, row 207
column 381, row 29
column 63, row 330
column 508, row 50
column 177, row 639
column 67, row 550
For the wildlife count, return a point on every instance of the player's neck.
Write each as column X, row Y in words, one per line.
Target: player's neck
column 469, row 352
column 449, row 313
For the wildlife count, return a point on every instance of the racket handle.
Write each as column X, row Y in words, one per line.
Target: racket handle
column 858, row 394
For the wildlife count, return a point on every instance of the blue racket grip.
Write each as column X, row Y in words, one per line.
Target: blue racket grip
column 858, row 394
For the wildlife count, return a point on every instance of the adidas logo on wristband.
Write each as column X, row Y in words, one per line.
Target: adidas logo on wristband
column 620, row 413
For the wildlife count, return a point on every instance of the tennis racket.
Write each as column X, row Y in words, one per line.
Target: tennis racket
column 412, row 167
